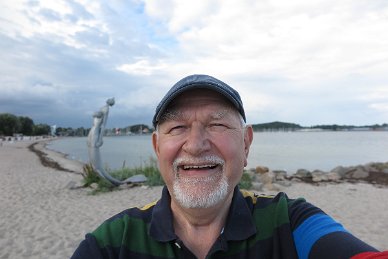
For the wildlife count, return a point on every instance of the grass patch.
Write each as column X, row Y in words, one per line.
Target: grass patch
column 150, row 170
column 89, row 175
column 100, row 185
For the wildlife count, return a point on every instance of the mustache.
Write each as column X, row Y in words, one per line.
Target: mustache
column 210, row 159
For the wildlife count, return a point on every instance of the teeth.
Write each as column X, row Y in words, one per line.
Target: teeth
column 186, row 167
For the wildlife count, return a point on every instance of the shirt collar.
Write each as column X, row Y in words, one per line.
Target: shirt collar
column 239, row 224
column 161, row 227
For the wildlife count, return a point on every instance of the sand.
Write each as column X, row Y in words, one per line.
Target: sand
column 41, row 217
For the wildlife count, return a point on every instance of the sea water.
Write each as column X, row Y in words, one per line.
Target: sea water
column 287, row 151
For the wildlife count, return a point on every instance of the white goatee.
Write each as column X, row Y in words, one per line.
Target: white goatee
column 200, row 192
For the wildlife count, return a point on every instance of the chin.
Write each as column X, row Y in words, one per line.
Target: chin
column 203, row 192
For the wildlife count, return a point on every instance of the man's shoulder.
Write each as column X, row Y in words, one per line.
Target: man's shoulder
column 262, row 200
column 255, row 196
column 122, row 231
column 136, row 219
column 142, row 212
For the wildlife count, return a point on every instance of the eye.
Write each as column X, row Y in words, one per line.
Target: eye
column 177, row 130
column 218, row 127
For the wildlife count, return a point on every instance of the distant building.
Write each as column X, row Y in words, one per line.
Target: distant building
column 361, row 129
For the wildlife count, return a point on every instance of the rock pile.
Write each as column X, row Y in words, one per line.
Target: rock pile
column 263, row 179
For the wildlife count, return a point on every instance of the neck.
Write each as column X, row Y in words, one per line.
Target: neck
column 199, row 228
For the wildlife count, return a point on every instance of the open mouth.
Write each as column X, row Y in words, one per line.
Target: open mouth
column 194, row 166
column 197, row 170
column 198, row 167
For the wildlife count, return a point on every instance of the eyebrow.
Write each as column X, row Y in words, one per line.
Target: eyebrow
column 171, row 114
column 176, row 115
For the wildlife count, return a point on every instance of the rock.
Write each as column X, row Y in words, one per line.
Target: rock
column 333, row 177
column 271, row 187
column 94, row 186
column 257, row 186
column 360, row 173
column 296, row 179
column 370, row 167
column 302, row 173
column 357, row 173
column 285, row 183
column 266, row 182
column 340, row 170
column 343, row 171
column 261, row 169
column 280, row 178
column 71, row 185
column 280, row 175
column 265, row 187
column 379, row 178
column 319, row 176
column 261, row 179
column 139, row 178
column 266, row 178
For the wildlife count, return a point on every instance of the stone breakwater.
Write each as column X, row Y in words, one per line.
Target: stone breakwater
column 265, row 179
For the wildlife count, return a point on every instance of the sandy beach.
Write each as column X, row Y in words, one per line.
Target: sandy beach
column 41, row 217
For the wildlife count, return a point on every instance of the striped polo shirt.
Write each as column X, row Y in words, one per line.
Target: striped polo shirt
column 257, row 227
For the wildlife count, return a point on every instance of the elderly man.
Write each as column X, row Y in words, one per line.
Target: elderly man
column 202, row 145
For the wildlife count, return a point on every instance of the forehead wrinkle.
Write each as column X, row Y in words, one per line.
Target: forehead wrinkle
column 221, row 114
column 178, row 115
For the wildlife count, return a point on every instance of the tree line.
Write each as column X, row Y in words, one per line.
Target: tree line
column 276, row 126
column 11, row 124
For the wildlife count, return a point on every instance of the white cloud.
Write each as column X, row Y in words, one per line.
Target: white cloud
column 300, row 40
column 381, row 107
column 141, row 67
column 376, row 94
column 293, row 60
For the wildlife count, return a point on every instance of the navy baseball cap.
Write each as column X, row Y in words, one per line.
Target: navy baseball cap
column 198, row 81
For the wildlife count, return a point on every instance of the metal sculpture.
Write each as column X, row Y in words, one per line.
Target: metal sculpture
column 95, row 142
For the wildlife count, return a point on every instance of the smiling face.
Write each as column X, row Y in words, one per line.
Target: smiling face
column 202, row 148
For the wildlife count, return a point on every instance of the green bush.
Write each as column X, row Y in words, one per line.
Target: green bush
column 89, row 175
column 245, row 182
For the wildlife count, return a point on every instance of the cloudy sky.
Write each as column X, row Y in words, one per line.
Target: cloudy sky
column 304, row 61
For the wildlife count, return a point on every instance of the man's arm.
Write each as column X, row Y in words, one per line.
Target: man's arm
column 372, row 255
column 317, row 235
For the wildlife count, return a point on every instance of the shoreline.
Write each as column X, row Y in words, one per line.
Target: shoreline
column 44, row 218
column 379, row 177
column 279, row 152
column 41, row 151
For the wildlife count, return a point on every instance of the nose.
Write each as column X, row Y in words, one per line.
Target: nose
column 197, row 141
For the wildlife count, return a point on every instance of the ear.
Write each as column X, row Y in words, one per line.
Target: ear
column 155, row 143
column 248, row 138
